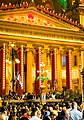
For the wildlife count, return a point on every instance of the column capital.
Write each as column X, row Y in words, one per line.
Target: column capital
column 37, row 46
column 81, row 49
column 68, row 48
column 46, row 49
column 52, row 48
column 64, row 50
column 29, row 48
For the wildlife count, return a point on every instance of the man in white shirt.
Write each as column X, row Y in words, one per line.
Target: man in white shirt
column 75, row 114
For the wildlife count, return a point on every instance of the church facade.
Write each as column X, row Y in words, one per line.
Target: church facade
column 38, row 36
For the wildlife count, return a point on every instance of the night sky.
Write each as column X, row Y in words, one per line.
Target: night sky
column 19, row 1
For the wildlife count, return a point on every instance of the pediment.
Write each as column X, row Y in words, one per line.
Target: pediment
column 34, row 17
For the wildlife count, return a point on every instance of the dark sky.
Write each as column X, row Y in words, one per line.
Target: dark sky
column 18, row 1
column 7, row 1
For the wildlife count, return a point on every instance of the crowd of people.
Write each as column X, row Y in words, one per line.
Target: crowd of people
column 64, row 109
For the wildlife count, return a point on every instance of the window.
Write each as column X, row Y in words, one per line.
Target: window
column 63, row 61
column 75, row 60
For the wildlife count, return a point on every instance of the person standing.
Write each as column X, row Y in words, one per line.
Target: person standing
column 75, row 114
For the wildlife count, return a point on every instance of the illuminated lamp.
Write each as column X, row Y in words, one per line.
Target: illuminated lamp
column 17, row 60
column 10, row 62
column 5, row 7
column 12, row 45
column 7, row 60
column 13, row 6
column 22, row 64
column 26, row 3
column 10, row 6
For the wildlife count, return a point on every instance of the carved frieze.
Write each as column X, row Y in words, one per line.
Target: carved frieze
column 42, row 33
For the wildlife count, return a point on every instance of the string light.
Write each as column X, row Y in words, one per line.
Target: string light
column 70, row 69
column 22, row 68
column 55, row 54
column 40, row 62
column 4, row 67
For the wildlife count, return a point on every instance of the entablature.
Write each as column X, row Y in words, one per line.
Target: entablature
column 24, row 34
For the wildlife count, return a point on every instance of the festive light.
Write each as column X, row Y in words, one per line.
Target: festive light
column 40, row 62
column 22, row 66
column 4, row 72
column 55, row 54
column 70, row 69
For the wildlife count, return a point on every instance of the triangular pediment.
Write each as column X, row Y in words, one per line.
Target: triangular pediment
column 33, row 16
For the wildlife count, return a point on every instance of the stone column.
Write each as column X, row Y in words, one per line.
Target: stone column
column 20, row 86
column 38, row 68
column 54, row 66
column 29, row 81
column 82, row 59
column 3, row 70
column 46, row 61
column 69, row 69
column 81, row 67
column 59, row 70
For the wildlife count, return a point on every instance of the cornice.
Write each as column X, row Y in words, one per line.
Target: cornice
column 32, row 33
column 17, row 11
column 25, row 40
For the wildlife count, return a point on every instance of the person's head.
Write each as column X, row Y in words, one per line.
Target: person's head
column 24, row 111
column 53, row 114
column 50, row 108
column 38, row 113
column 74, row 105
column 67, row 114
column 47, row 113
column 34, row 112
